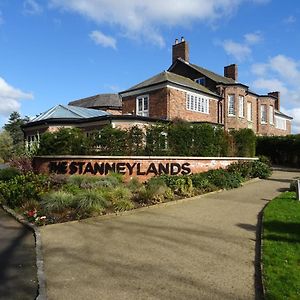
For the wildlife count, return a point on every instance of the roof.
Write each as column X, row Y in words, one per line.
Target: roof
column 213, row 76
column 279, row 113
column 167, row 76
column 68, row 112
column 100, row 100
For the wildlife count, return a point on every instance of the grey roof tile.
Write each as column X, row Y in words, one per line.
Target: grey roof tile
column 167, row 76
column 101, row 100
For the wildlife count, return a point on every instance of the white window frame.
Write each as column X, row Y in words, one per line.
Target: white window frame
column 143, row 111
column 231, row 105
column 263, row 114
column 241, row 107
column 280, row 123
column 200, row 80
column 271, row 115
column 197, row 103
column 249, row 112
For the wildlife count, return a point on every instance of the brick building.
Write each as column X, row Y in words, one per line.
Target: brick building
column 185, row 91
column 195, row 94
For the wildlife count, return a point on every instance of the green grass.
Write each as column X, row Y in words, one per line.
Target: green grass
column 281, row 248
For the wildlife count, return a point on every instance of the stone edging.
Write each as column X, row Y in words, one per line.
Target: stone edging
column 261, row 249
column 38, row 249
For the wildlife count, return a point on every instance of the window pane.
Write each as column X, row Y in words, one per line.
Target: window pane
column 241, row 106
column 146, row 103
column 140, row 104
column 231, row 105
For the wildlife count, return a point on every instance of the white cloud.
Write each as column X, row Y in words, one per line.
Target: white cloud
column 242, row 51
column 290, row 19
column 237, row 50
column 143, row 18
column 281, row 73
column 253, row 38
column 104, row 40
column 1, row 18
column 10, row 98
column 32, row 7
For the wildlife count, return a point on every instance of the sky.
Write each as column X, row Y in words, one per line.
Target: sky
column 56, row 51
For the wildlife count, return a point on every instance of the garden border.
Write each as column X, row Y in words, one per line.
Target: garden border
column 38, row 251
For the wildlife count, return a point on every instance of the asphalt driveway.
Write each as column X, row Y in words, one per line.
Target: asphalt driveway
column 200, row 249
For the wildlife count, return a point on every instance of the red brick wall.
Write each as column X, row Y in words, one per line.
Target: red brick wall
column 170, row 103
column 177, row 100
column 157, row 103
column 141, row 167
column 236, row 122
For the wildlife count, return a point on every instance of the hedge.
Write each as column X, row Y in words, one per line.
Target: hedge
column 281, row 150
column 174, row 139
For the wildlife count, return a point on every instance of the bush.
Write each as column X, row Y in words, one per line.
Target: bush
column 8, row 174
column 223, row 179
column 260, row 170
column 202, row 183
column 23, row 188
column 91, row 201
column 134, row 185
column 121, row 199
column 57, row 201
column 245, row 142
column 281, row 150
column 244, row 169
column 22, row 162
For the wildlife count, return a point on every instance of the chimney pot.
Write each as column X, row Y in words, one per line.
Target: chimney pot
column 180, row 50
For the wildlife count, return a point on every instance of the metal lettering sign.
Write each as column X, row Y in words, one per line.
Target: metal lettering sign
column 103, row 168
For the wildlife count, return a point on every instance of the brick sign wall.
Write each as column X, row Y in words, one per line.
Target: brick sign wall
column 140, row 167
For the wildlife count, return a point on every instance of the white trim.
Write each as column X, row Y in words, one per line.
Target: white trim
column 144, row 112
column 281, row 119
column 234, row 106
column 241, row 107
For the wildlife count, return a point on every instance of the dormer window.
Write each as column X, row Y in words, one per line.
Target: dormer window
column 200, row 80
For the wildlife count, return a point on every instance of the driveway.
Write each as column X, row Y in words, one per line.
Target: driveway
column 18, row 280
column 199, row 249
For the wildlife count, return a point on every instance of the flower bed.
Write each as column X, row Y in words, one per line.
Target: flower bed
column 52, row 199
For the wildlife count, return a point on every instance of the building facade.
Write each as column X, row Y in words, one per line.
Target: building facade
column 185, row 91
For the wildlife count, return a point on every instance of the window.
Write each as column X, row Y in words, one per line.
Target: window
column 271, row 115
column 142, row 106
column 231, row 105
column 200, row 80
column 249, row 111
column 280, row 123
column 241, row 106
column 263, row 114
column 198, row 103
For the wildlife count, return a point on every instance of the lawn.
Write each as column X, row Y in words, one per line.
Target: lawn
column 281, row 248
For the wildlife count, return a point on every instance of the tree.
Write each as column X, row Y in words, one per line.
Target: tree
column 6, row 146
column 14, row 127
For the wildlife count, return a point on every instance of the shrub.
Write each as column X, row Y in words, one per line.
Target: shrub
column 202, row 183
column 223, row 179
column 91, row 201
column 260, row 170
column 65, row 141
column 134, row 185
column 154, row 191
column 244, row 169
column 121, row 199
column 23, row 188
column 245, row 141
column 22, row 162
column 8, row 173
column 264, row 159
column 58, row 180
column 76, row 179
column 58, row 201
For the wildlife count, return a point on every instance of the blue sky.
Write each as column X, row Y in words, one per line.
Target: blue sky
column 55, row 51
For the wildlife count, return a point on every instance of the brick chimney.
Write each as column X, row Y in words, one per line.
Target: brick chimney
column 277, row 101
column 180, row 49
column 231, row 71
